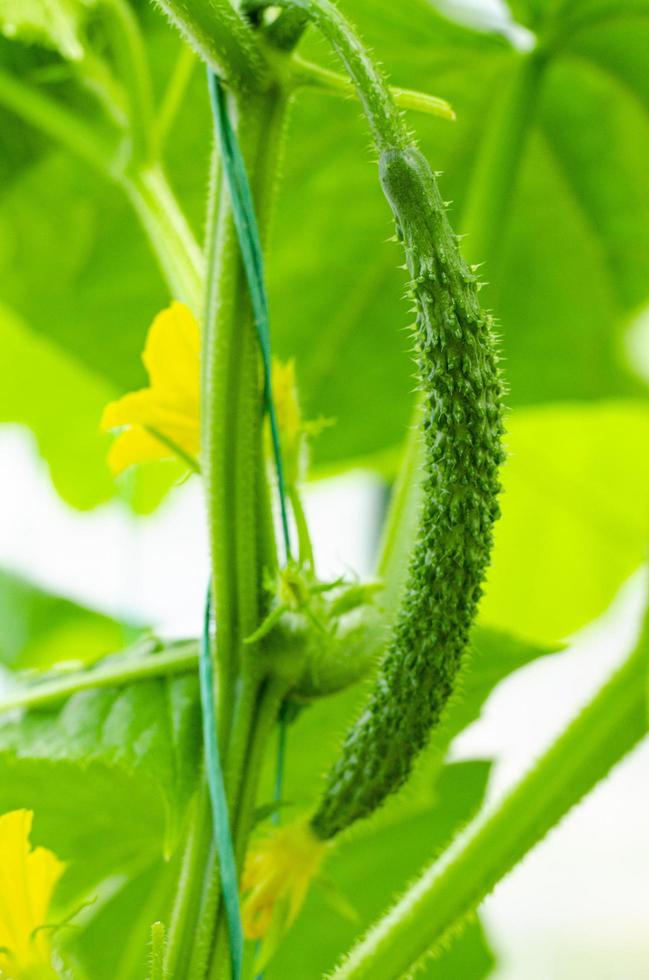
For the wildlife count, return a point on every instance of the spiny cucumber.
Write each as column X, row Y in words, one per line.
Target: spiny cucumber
column 462, row 422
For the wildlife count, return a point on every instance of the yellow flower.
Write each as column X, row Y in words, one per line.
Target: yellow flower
column 276, row 878
column 294, row 431
column 161, row 421
column 27, row 880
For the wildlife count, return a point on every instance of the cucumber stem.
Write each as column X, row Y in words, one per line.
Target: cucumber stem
column 222, row 37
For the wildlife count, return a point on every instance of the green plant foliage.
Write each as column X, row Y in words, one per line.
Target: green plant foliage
column 39, row 629
column 52, row 23
column 124, row 758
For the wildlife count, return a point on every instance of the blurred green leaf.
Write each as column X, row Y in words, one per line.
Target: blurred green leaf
column 38, row 629
column 575, row 516
column 321, row 934
column 125, row 759
column 52, row 23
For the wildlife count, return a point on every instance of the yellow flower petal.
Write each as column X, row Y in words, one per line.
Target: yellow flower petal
column 170, row 406
column 27, row 880
column 172, row 357
column 277, row 875
column 136, row 445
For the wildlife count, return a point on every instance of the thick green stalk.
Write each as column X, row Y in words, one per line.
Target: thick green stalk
column 234, row 474
column 222, row 38
column 437, row 906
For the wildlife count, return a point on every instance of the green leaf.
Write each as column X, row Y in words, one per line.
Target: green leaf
column 51, row 23
column 321, row 934
column 575, row 519
column 108, row 775
column 38, row 629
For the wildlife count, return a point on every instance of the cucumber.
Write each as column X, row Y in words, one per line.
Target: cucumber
column 463, row 428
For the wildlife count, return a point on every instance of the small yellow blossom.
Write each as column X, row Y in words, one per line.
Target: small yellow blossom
column 27, row 879
column 277, row 875
column 294, row 431
column 161, row 421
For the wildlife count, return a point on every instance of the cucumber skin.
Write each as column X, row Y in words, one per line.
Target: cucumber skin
column 463, row 429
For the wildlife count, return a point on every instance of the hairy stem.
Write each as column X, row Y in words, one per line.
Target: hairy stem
column 222, row 38
column 385, row 120
column 234, row 480
column 308, row 74
column 438, row 905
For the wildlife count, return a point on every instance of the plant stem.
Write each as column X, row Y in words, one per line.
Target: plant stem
column 388, row 127
column 438, row 905
column 156, row 954
column 234, row 475
column 307, row 73
column 190, row 885
column 305, row 553
column 178, row 255
column 222, row 38
column 182, row 659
